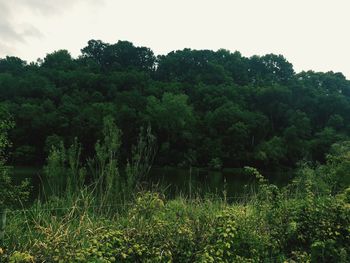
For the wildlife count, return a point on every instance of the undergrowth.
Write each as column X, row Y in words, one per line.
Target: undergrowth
column 306, row 221
column 276, row 225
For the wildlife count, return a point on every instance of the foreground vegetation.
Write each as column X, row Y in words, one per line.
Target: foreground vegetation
column 306, row 221
column 295, row 224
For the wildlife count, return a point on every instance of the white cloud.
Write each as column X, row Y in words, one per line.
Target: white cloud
column 51, row 7
column 16, row 27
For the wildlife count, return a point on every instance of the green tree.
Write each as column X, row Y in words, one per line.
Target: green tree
column 10, row 194
column 172, row 118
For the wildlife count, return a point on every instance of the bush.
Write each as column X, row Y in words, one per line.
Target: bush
column 306, row 221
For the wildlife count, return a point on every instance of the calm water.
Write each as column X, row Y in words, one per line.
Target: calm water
column 201, row 181
column 181, row 181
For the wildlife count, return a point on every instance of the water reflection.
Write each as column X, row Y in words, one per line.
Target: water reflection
column 234, row 183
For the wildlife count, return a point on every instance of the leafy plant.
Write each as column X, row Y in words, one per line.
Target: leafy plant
column 10, row 194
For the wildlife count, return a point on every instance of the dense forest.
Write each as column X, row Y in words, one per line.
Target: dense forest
column 206, row 108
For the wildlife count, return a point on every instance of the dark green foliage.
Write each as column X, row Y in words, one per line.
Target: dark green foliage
column 10, row 194
column 244, row 111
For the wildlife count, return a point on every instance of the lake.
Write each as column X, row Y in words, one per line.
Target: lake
column 175, row 181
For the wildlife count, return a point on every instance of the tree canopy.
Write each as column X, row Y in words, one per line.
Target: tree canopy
column 214, row 105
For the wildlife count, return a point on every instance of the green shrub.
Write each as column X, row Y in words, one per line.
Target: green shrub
column 302, row 222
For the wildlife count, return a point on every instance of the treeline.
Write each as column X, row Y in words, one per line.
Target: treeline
column 206, row 108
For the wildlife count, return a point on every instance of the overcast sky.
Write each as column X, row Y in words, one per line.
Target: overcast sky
column 311, row 34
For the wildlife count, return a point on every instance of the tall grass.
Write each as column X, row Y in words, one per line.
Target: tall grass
column 101, row 176
column 111, row 219
column 274, row 225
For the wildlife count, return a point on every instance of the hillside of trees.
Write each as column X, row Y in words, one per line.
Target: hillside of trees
column 210, row 108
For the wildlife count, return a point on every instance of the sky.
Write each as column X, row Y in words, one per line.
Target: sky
column 311, row 34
